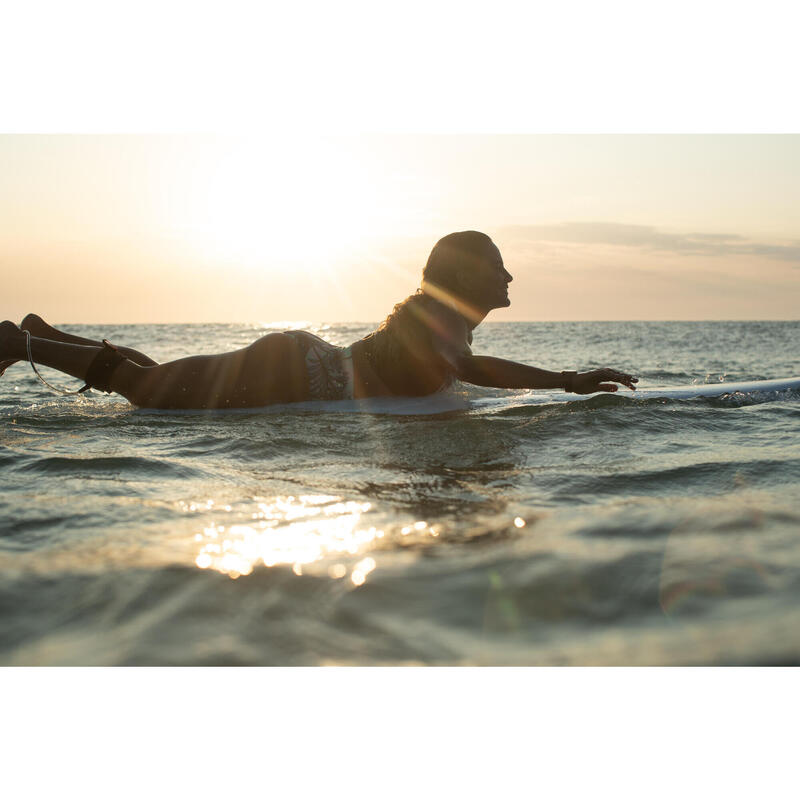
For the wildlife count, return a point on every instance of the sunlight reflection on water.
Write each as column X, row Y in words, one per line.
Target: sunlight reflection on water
column 294, row 531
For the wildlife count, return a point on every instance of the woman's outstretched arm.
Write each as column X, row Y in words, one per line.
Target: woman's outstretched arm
column 503, row 374
column 451, row 339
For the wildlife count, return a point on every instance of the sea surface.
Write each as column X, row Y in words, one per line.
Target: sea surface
column 473, row 528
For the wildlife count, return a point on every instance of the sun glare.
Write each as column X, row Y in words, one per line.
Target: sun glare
column 291, row 531
column 285, row 203
column 297, row 532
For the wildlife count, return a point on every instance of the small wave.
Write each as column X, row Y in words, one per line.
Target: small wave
column 40, row 528
column 90, row 467
column 736, row 399
column 8, row 460
column 246, row 448
column 707, row 477
column 66, row 411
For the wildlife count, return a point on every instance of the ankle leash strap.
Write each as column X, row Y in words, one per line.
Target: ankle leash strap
column 99, row 370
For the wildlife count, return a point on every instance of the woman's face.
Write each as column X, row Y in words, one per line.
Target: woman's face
column 491, row 281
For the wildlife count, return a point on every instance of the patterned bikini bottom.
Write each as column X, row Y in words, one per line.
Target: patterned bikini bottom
column 329, row 368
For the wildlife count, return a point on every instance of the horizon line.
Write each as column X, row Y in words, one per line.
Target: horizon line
column 485, row 322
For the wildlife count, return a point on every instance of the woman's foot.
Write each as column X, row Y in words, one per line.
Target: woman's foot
column 33, row 323
column 38, row 327
column 10, row 339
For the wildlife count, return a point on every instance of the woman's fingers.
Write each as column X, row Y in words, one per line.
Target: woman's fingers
column 588, row 382
column 620, row 377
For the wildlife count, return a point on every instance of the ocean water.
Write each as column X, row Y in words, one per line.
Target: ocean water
column 472, row 528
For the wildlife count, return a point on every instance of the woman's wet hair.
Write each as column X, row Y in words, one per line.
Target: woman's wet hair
column 405, row 334
column 443, row 274
column 444, row 280
column 451, row 260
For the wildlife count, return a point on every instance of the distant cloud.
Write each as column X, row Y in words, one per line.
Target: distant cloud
column 650, row 238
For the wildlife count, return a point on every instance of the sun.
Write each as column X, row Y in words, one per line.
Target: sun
column 299, row 203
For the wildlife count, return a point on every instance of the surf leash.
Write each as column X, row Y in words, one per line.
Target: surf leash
column 38, row 374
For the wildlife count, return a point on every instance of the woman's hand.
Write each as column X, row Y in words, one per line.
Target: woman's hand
column 589, row 382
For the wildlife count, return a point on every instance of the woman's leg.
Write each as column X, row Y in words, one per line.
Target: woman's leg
column 271, row 370
column 41, row 330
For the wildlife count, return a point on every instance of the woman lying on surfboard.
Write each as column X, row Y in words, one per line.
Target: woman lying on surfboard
column 422, row 347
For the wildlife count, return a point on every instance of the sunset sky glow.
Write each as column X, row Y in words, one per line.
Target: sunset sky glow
column 223, row 229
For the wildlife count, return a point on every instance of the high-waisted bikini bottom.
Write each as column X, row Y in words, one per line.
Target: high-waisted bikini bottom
column 329, row 368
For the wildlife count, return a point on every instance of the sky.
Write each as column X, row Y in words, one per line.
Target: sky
column 193, row 228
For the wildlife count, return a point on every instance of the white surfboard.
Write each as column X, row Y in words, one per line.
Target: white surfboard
column 718, row 389
column 446, row 401
column 650, row 392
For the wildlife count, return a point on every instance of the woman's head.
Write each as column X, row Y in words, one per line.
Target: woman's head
column 467, row 268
